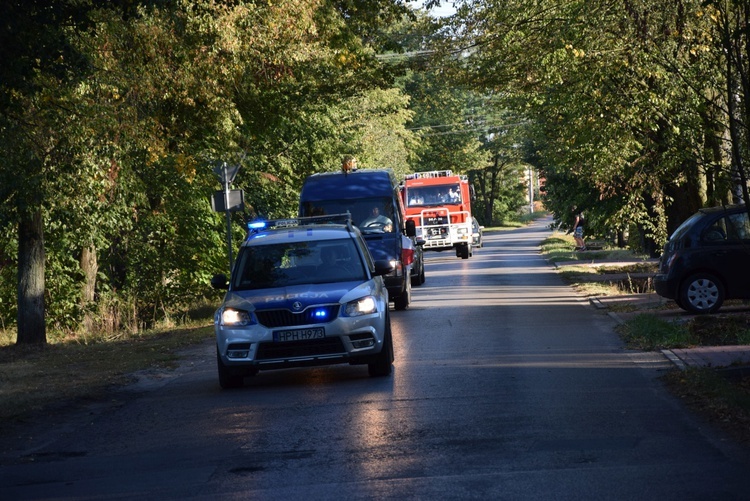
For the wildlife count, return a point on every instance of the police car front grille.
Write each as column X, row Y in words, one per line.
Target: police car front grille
column 311, row 315
column 294, row 349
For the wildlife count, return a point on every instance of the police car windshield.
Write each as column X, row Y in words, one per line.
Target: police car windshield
column 371, row 215
column 298, row 263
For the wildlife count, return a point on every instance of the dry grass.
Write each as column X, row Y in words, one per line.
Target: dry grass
column 33, row 378
column 602, row 272
column 720, row 399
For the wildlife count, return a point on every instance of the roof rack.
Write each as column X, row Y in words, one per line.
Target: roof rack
column 259, row 225
column 429, row 174
column 434, row 174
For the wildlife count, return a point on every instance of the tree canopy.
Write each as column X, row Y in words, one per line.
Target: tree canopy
column 113, row 114
column 634, row 108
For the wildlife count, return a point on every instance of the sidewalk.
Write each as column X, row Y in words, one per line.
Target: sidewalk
column 627, row 305
column 717, row 357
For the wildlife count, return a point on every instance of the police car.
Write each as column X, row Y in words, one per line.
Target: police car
column 303, row 292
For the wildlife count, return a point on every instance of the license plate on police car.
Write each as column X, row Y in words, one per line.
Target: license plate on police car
column 299, row 334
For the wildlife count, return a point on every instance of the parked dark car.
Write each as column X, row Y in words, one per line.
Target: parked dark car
column 707, row 260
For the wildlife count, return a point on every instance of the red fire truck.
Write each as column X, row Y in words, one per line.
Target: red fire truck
column 439, row 202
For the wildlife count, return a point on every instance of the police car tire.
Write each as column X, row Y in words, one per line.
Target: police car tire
column 227, row 379
column 383, row 364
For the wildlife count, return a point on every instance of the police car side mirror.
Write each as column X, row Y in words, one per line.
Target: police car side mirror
column 383, row 267
column 411, row 228
column 220, row 281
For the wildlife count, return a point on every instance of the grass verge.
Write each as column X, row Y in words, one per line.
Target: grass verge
column 723, row 401
column 34, row 378
column 603, row 272
column 648, row 332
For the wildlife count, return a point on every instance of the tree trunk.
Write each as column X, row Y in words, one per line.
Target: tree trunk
column 89, row 268
column 489, row 212
column 621, row 241
column 739, row 188
column 31, row 327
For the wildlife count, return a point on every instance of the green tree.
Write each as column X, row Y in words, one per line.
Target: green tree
column 500, row 191
column 111, row 125
column 38, row 80
column 613, row 110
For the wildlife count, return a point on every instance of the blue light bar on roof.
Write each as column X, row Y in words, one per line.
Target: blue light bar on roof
column 256, row 225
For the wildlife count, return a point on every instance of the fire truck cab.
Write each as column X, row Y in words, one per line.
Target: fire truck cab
column 439, row 202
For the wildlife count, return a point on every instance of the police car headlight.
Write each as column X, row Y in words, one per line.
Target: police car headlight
column 362, row 306
column 231, row 316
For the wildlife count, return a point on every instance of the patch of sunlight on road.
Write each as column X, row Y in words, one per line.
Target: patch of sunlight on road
column 495, row 295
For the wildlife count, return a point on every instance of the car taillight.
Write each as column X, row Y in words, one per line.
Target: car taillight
column 670, row 261
column 407, row 256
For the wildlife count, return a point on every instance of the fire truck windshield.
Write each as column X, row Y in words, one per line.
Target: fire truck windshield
column 433, row 195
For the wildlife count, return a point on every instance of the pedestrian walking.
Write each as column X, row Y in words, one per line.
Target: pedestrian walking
column 578, row 224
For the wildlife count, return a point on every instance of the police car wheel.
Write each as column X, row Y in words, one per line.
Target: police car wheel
column 227, row 378
column 383, row 364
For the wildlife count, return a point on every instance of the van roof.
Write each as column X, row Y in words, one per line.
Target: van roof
column 357, row 184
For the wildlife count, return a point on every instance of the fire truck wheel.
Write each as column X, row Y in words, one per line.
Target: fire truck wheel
column 465, row 251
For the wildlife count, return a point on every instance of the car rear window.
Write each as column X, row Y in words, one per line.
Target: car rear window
column 685, row 226
column 359, row 208
column 729, row 228
column 738, row 226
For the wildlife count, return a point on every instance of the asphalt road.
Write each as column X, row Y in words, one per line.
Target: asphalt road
column 506, row 386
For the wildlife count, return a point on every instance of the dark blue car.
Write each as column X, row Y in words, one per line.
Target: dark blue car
column 707, row 260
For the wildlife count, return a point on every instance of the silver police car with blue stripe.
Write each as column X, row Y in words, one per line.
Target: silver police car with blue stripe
column 303, row 292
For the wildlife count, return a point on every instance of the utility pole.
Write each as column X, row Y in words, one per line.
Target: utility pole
column 227, row 200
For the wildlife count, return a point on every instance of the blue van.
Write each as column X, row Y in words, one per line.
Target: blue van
column 372, row 198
